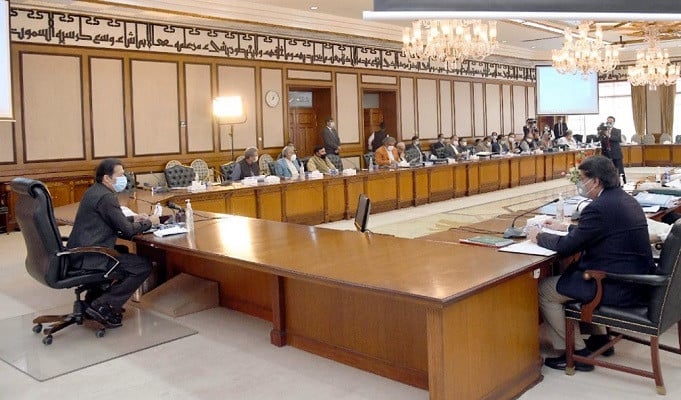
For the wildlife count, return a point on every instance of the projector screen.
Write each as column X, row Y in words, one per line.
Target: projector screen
column 5, row 71
column 565, row 94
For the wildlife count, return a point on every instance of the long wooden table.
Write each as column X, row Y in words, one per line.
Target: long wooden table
column 458, row 320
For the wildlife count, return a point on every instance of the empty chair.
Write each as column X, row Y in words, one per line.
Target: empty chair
column 226, row 170
column 172, row 163
column 131, row 180
column 652, row 319
column 677, row 139
column 636, row 138
column 47, row 258
column 648, row 138
column 303, row 161
column 270, row 168
column 624, row 138
column 591, row 138
column 578, row 138
column 201, row 169
column 665, row 138
column 368, row 158
column 336, row 161
column 263, row 163
column 179, row 176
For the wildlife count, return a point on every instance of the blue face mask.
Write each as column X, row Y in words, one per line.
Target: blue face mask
column 120, row 183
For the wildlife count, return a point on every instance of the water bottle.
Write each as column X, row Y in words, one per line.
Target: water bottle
column 658, row 175
column 560, row 209
column 371, row 164
column 301, row 172
column 189, row 216
column 158, row 210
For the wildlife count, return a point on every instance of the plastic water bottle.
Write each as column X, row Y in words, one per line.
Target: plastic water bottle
column 560, row 209
column 658, row 175
column 301, row 172
column 371, row 164
column 158, row 210
column 189, row 216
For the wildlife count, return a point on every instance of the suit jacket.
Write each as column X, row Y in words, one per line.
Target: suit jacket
column 527, row 146
column 318, row 164
column 615, row 152
column 381, row 156
column 99, row 222
column 281, row 168
column 452, row 151
column 331, row 140
column 242, row 170
column 499, row 147
column 612, row 236
column 557, row 130
column 377, row 141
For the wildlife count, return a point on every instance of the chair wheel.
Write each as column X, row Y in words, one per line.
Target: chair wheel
column 37, row 328
column 47, row 340
column 100, row 332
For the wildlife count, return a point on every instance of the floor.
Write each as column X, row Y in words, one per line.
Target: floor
column 231, row 357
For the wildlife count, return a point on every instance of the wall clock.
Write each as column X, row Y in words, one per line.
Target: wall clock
column 272, row 98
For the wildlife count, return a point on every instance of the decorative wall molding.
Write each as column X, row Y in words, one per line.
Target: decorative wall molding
column 61, row 28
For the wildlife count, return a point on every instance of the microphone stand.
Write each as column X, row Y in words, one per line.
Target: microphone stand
column 513, row 232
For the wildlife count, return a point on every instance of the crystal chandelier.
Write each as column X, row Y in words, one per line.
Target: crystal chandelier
column 653, row 67
column 449, row 40
column 584, row 54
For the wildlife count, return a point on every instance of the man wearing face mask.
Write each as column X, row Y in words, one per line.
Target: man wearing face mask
column 612, row 236
column 287, row 166
column 387, row 155
column 332, row 142
column 319, row 162
column 99, row 222
column 610, row 145
column 413, row 153
column 248, row 166
column 560, row 128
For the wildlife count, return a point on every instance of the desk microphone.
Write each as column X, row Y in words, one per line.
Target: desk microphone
column 174, row 206
column 159, row 188
column 513, row 232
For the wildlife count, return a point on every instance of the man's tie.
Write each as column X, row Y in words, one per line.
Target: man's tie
column 607, row 142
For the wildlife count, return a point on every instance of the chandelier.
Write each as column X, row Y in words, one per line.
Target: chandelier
column 585, row 54
column 449, row 41
column 653, row 67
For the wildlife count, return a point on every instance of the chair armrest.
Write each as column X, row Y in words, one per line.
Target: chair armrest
column 111, row 253
column 598, row 276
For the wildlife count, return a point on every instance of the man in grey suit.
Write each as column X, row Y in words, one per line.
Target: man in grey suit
column 332, row 142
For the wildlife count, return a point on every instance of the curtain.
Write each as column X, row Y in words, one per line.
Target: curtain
column 638, row 107
column 667, row 95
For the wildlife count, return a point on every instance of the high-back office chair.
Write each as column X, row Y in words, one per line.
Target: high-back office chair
column 369, row 158
column 48, row 261
column 201, row 169
column 172, row 163
column 677, row 139
column 578, row 138
column 226, row 170
column 649, row 138
column 131, row 180
column 413, row 156
column 336, row 161
column 179, row 176
column 662, row 310
column 263, row 163
column 636, row 138
column 592, row 138
column 665, row 138
column 303, row 161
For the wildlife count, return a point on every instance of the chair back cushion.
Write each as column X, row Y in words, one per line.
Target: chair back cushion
column 263, row 163
column 226, row 170
column 179, row 176
column 131, row 180
column 35, row 216
column 369, row 157
column 336, row 161
column 665, row 301
column 649, row 139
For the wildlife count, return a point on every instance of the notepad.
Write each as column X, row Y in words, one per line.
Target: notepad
column 527, row 247
column 488, row 241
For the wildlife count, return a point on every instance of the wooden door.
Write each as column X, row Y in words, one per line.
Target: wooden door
column 303, row 130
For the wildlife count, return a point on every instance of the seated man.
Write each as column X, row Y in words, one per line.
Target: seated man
column 287, row 166
column 612, row 236
column 452, row 149
column 500, row 145
column 248, row 166
column 319, row 162
column 439, row 144
column 99, row 222
column 568, row 140
column 386, row 155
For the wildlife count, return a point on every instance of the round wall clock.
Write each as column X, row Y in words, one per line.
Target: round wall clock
column 272, row 98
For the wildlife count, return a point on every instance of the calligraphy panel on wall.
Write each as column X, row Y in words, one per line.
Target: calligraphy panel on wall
column 427, row 107
column 493, row 108
column 155, row 107
column 347, row 103
column 462, row 109
column 239, row 81
column 108, row 113
column 446, row 108
column 199, row 107
column 52, row 107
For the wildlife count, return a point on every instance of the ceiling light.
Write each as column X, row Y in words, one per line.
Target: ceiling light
column 653, row 67
column 584, row 55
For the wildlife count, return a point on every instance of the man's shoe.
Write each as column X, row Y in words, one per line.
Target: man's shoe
column 561, row 362
column 105, row 315
column 595, row 342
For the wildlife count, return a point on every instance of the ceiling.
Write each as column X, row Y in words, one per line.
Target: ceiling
column 522, row 40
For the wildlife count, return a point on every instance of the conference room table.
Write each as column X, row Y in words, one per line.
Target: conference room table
column 458, row 320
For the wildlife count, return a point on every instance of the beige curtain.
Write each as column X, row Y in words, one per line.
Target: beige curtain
column 667, row 95
column 638, row 107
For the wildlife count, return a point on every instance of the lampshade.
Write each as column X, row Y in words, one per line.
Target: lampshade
column 229, row 110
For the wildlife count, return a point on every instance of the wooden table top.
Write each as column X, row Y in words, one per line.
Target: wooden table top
column 425, row 270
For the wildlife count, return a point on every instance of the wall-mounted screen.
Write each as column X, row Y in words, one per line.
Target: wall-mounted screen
column 5, row 62
column 566, row 94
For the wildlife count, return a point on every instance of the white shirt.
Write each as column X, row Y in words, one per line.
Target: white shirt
column 291, row 167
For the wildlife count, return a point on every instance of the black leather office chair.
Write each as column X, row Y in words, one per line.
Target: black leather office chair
column 226, row 170
column 303, row 161
column 336, row 161
column 48, row 261
column 369, row 158
column 662, row 310
column 179, row 176
column 270, row 168
column 578, row 138
column 131, row 180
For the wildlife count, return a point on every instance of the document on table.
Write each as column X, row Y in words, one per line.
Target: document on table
column 527, row 247
column 554, row 232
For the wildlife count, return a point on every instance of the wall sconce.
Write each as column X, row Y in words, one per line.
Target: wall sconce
column 229, row 110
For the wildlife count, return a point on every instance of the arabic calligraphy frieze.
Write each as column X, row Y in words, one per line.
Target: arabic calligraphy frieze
column 69, row 29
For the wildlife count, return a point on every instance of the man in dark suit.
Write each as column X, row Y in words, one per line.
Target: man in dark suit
column 612, row 236
column 332, row 142
column 560, row 128
column 99, row 222
column 611, row 138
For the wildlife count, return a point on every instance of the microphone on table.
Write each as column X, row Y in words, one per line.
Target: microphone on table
column 159, row 188
column 513, row 232
column 174, row 206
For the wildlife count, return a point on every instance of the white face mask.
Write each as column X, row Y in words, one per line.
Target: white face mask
column 332, row 124
column 582, row 190
column 120, row 183
column 293, row 157
column 463, row 144
column 390, row 148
